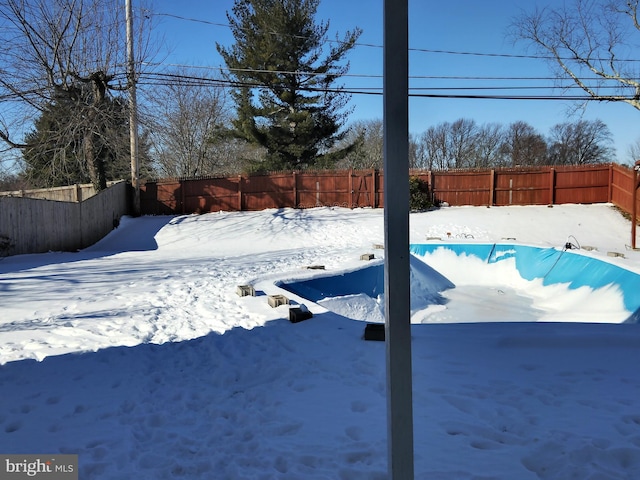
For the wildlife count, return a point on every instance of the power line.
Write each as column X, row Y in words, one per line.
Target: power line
column 220, row 81
column 411, row 49
column 371, row 76
column 169, row 79
column 180, row 17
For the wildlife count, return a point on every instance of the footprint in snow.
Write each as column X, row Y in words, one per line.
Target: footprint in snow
column 13, row 427
column 354, row 433
column 359, row 406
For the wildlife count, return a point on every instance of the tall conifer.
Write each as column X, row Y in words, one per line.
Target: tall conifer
column 284, row 69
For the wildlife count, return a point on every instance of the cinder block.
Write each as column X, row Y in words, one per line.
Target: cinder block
column 378, row 246
column 367, row 256
column 588, row 248
column 315, row 267
column 246, row 290
column 615, row 254
column 374, row 331
column 298, row 314
column 277, row 300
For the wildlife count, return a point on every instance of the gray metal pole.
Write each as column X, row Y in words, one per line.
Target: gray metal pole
column 396, row 232
column 133, row 111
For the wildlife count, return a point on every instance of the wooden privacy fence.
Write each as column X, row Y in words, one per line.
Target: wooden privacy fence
column 348, row 188
column 29, row 225
column 364, row 188
column 70, row 193
column 524, row 186
column 34, row 225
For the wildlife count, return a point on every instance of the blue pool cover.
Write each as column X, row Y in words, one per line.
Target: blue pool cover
column 550, row 264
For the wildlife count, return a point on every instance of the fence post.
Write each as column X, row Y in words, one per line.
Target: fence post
column 350, row 203
column 373, row 188
column 432, row 192
column 492, row 187
column 610, row 195
column 182, row 195
column 552, row 185
column 239, row 193
column 295, row 189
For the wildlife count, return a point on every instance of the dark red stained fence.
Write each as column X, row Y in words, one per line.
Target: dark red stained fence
column 622, row 179
column 364, row 188
column 348, row 188
column 522, row 186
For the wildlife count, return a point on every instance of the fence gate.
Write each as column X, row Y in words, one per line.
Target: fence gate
column 363, row 189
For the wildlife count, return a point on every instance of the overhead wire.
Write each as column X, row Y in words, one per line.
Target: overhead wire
column 361, row 75
column 502, row 92
column 155, row 78
column 411, row 49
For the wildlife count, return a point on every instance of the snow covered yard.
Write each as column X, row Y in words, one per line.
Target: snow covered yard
column 138, row 355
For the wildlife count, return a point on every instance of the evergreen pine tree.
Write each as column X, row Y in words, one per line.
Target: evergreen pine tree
column 284, row 69
column 55, row 155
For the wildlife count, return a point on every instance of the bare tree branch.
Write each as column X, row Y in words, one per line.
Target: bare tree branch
column 70, row 51
column 591, row 36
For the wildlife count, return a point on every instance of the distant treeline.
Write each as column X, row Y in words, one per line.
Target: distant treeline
column 467, row 144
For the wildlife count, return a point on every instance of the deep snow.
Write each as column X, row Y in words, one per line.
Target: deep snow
column 138, row 355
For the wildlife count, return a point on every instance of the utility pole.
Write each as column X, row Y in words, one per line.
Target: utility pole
column 396, row 234
column 133, row 112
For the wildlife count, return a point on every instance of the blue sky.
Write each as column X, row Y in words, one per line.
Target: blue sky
column 453, row 25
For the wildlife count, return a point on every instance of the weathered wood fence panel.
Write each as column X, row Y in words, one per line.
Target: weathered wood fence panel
column 29, row 225
column 101, row 213
column 70, row 193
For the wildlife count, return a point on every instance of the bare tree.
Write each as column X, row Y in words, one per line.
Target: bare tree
column 367, row 138
column 435, row 143
column 579, row 143
column 189, row 117
column 462, row 134
column 448, row 145
column 415, row 151
column 523, row 145
column 590, row 42
column 421, row 154
column 489, row 139
column 65, row 50
column 633, row 152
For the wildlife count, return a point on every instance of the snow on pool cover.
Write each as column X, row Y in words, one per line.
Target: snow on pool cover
column 461, row 282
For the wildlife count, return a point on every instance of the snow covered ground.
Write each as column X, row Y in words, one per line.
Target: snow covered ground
column 137, row 354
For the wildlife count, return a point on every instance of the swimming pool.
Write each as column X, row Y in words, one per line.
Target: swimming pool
column 510, row 282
